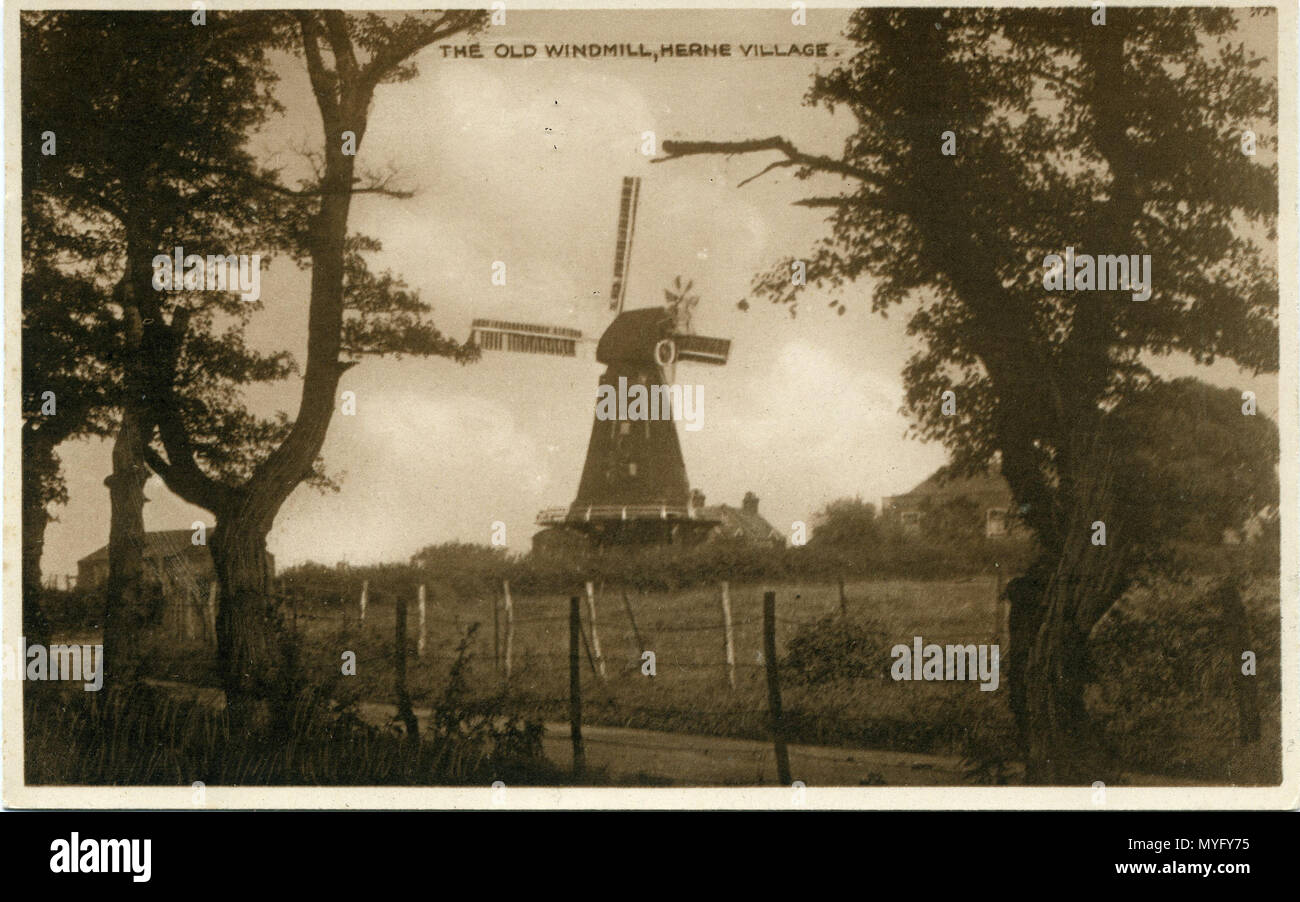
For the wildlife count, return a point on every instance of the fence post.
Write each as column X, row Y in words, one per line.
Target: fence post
column 844, row 605
column 510, row 624
column 496, row 635
column 210, row 621
column 404, row 709
column 575, row 687
column 774, row 688
column 419, row 642
column 729, row 645
column 595, row 637
column 636, row 634
column 997, row 605
column 365, row 596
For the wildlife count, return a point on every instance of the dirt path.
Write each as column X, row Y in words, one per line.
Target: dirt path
column 685, row 759
column 651, row 757
column 627, row 756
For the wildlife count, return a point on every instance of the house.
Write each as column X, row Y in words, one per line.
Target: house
column 987, row 496
column 170, row 558
column 742, row 523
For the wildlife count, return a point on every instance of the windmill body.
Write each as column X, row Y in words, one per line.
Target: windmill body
column 634, row 488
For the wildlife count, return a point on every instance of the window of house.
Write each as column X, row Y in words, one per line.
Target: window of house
column 631, row 468
column 911, row 521
column 995, row 522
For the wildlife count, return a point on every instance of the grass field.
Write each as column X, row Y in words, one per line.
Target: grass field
column 1163, row 697
column 1161, row 694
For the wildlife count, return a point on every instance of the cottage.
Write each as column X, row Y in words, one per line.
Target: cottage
column 738, row 524
column 988, row 496
column 170, row 558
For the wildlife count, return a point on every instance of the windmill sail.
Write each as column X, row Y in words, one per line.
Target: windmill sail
column 702, row 349
column 525, row 338
column 623, row 249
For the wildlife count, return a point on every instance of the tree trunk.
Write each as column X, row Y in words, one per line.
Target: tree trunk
column 249, row 626
column 38, row 459
column 1025, row 596
column 1059, row 740
column 1087, row 580
column 125, row 604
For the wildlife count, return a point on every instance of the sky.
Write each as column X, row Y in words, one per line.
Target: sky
column 520, row 161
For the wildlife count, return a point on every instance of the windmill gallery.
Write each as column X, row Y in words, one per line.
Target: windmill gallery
column 633, row 488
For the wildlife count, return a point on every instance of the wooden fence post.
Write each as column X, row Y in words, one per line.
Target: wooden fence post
column 595, row 637
column 419, row 642
column 729, row 645
column 997, row 606
column 496, row 635
column 510, row 624
column 844, row 605
column 575, row 687
column 365, row 597
column 636, row 634
column 404, row 710
column 774, row 688
column 210, row 621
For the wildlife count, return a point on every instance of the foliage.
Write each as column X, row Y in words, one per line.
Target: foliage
column 165, row 737
column 1201, row 466
column 1051, row 146
column 845, row 523
column 1055, row 149
column 834, row 649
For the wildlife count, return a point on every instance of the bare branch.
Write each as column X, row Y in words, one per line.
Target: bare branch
column 842, row 200
column 794, row 156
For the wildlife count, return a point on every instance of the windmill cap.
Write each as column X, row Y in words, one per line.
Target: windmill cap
column 632, row 336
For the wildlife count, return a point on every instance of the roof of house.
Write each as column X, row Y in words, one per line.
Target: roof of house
column 988, row 482
column 737, row 523
column 161, row 543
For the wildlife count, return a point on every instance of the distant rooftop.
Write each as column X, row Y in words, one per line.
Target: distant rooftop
column 161, row 543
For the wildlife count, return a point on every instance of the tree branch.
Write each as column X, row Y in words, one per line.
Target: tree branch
column 322, row 80
column 446, row 25
column 793, row 156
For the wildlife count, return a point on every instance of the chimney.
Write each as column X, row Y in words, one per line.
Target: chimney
column 697, row 499
column 750, row 504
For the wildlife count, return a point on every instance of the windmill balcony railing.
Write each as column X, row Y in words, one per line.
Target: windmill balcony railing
column 577, row 514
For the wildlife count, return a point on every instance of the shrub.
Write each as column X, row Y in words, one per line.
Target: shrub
column 833, row 649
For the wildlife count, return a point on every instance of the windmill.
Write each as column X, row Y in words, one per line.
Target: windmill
column 633, row 488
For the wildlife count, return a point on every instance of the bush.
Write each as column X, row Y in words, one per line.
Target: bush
column 148, row 736
column 832, row 649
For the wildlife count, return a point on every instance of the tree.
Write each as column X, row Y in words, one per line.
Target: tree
column 351, row 312
column 66, row 393
column 1203, row 467
column 131, row 103
column 848, row 523
column 986, row 141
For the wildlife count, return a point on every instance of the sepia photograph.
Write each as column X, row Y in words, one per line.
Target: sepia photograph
column 880, row 407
